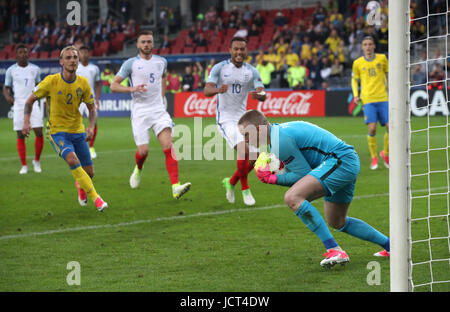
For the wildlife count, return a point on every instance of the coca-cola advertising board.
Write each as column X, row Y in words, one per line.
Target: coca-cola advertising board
column 309, row 103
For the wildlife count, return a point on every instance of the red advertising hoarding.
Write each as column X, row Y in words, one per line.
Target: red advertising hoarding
column 309, row 103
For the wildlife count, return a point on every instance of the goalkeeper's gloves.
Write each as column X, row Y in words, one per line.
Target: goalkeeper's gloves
column 265, row 176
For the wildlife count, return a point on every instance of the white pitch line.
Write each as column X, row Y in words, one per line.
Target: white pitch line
column 200, row 214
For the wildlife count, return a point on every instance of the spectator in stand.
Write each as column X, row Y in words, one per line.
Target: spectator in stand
column 259, row 57
column 258, row 20
column 279, row 19
column 337, row 69
column 242, row 31
column 116, row 28
column 247, row 15
column 208, row 69
column 254, row 31
column 188, row 79
column 29, row 28
column 60, row 44
column 197, row 72
column 129, row 29
column 296, row 76
column 354, row 49
column 271, row 56
column 211, row 17
column 341, row 53
column 333, row 40
column 383, row 37
column 105, row 36
column 306, row 52
column 358, row 9
column 265, row 70
column 99, row 26
column 320, row 13
column 165, row 42
column 325, row 70
column 173, row 81
column 314, row 70
column 281, row 46
column 201, row 41
column 235, row 13
column 232, row 22
column 337, row 19
column 291, row 57
column 359, row 31
column 417, row 31
column 189, row 42
column 419, row 77
column 296, row 45
column 309, row 85
column 107, row 77
column 218, row 32
column 437, row 76
column 78, row 42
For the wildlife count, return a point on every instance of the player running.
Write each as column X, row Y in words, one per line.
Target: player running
column 318, row 165
column 232, row 80
column 147, row 74
column 64, row 93
column 371, row 69
column 20, row 80
column 92, row 73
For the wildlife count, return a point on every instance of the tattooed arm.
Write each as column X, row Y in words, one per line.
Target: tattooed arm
column 27, row 113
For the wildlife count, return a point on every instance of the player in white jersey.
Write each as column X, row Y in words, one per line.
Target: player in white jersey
column 92, row 73
column 20, row 80
column 148, row 86
column 232, row 80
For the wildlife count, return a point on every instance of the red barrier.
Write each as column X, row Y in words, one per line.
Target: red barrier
column 277, row 104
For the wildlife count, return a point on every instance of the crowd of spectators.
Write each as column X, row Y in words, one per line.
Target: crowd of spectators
column 324, row 43
column 43, row 34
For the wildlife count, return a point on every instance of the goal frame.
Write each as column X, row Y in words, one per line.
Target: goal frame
column 399, row 146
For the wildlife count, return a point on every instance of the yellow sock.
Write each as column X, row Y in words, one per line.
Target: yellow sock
column 372, row 140
column 85, row 182
column 386, row 144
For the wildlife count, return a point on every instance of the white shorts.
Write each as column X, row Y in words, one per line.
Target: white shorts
column 36, row 118
column 230, row 132
column 84, row 111
column 142, row 123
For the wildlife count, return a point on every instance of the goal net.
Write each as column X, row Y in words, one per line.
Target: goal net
column 429, row 160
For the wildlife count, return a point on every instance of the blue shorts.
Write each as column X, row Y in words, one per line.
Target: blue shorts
column 338, row 177
column 374, row 112
column 64, row 143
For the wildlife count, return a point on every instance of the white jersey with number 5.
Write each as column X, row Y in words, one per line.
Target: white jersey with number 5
column 150, row 73
column 232, row 104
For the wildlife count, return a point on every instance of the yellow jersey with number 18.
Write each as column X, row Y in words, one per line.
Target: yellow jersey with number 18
column 372, row 75
column 63, row 101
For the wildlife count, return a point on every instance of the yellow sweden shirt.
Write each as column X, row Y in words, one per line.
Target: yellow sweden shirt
column 63, row 101
column 372, row 75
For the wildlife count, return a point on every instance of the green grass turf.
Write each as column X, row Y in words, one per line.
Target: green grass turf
column 146, row 241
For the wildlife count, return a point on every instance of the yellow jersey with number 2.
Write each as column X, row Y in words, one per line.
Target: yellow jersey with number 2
column 63, row 101
column 372, row 75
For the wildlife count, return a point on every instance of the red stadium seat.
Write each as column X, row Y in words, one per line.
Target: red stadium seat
column 188, row 50
column 3, row 55
column 200, row 50
column 164, row 51
column 44, row 54
column 104, row 47
column 54, row 54
column 177, row 49
column 213, row 48
column 34, row 55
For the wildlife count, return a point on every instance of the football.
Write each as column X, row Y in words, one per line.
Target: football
column 275, row 165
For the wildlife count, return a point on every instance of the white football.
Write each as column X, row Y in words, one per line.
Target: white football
column 274, row 164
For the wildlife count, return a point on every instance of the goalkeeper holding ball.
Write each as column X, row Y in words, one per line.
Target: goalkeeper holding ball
column 317, row 164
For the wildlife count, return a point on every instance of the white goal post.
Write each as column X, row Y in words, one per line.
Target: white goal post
column 399, row 141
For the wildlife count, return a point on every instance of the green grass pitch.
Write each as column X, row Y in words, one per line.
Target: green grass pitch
column 147, row 241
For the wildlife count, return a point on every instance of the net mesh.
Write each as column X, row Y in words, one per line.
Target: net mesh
column 429, row 147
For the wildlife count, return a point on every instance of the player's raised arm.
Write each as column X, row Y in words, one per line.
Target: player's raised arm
column 27, row 114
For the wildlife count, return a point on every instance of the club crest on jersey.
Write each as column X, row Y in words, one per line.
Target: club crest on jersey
column 79, row 92
column 378, row 65
column 61, row 143
column 59, row 92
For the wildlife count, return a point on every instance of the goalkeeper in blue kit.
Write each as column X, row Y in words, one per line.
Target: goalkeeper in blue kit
column 318, row 164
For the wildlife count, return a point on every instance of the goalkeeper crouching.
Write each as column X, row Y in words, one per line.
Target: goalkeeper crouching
column 318, row 164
